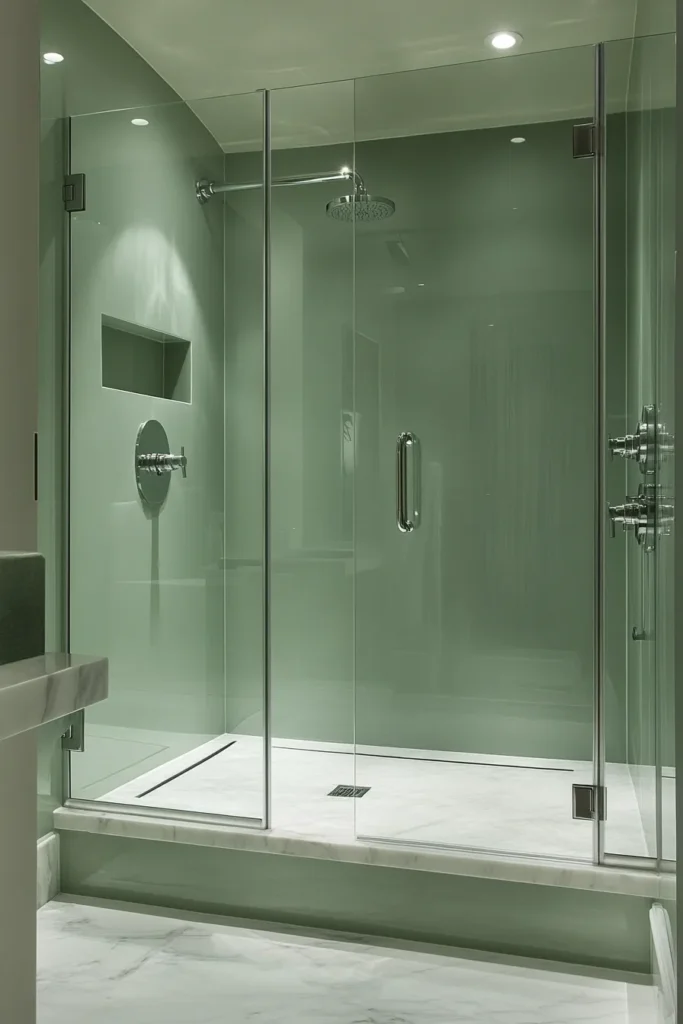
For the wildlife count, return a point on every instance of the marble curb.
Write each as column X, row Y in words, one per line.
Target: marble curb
column 618, row 881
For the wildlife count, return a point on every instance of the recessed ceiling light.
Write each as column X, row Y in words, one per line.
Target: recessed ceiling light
column 140, row 122
column 53, row 58
column 517, row 139
column 504, row 40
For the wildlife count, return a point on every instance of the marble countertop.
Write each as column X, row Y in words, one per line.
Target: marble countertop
column 48, row 687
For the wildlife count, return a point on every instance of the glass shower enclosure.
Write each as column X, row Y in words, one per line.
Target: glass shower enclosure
column 355, row 575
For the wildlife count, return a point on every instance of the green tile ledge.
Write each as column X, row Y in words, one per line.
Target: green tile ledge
column 573, row 875
column 47, row 687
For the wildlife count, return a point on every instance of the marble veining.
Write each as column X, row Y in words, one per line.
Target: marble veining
column 411, row 800
column 47, row 687
column 502, row 808
column 48, row 876
column 453, row 862
column 110, row 965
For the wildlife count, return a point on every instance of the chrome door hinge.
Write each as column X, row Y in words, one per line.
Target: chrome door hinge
column 73, row 737
column 588, row 802
column 584, row 140
column 74, row 193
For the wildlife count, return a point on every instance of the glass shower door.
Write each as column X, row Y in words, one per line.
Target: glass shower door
column 474, row 436
column 166, row 432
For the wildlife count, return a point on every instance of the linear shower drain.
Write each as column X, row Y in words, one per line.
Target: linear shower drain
column 357, row 791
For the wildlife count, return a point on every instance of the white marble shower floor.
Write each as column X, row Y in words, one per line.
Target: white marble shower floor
column 112, row 965
column 498, row 804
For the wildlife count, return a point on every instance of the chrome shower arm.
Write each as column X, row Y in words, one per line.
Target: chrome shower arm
column 205, row 189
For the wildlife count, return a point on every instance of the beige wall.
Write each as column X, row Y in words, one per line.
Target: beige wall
column 18, row 270
column 19, row 34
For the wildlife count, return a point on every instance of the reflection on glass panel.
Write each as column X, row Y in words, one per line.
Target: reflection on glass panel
column 162, row 581
column 313, row 427
column 474, row 631
column 640, row 304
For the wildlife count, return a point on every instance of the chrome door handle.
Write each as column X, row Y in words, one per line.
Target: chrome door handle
column 408, row 512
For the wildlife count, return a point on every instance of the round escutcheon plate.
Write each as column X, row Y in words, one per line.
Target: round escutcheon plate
column 152, row 487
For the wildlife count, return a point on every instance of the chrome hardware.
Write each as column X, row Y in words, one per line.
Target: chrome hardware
column 583, row 140
column 205, row 189
column 73, row 193
column 408, row 518
column 73, row 737
column 647, row 514
column 588, row 802
column 153, row 463
column 650, row 442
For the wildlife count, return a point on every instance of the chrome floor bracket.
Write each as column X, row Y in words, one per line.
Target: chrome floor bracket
column 588, row 802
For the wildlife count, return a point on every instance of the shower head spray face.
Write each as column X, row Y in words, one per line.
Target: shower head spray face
column 360, row 207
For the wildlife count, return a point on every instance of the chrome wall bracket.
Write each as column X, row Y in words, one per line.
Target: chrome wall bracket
column 583, row 140
column 73, row 737
column 73, row 193
column 154, row 463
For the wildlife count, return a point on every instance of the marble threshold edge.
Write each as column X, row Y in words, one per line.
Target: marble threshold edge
column 565, row 874
column 48, row 876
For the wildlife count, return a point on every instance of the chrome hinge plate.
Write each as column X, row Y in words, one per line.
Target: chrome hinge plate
column 584, row 140
column 587, row 801
column 74, row 193
column 73, row 737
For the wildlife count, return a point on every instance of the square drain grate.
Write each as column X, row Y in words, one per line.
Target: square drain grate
column 357, row 791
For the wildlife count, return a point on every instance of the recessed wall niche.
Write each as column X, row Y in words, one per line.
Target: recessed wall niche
column 144, row 361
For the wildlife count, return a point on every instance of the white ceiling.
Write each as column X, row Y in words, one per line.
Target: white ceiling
column 214, row 48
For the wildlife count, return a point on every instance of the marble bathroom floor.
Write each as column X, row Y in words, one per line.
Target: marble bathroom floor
column 114, row 966
column 422, row 797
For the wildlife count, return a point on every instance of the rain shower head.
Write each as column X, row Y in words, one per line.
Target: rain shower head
column 360, row 207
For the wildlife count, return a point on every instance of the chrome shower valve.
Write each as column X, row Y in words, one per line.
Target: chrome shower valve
column 154, row 463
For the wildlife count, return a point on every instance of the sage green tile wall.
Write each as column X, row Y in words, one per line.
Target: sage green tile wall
column 312, row 581
column 148, row 593
column 486, row 347
column 650, row 320
column 576, row 926
column 147, row 590
column 244, row 431
column 430, row 353
column 312, row 612
column 100, row 72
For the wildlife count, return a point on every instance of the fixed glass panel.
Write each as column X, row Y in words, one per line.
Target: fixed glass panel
column 474, row 455
column 640, row 375
column 167, row 332
column 312, row 452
